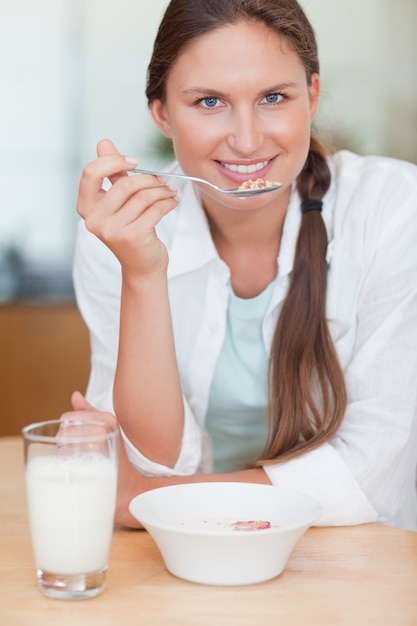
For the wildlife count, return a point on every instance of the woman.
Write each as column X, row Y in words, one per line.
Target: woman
column 270, row 339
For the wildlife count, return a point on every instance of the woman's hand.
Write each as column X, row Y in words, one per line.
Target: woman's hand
column 130, row 482
column 125, row 216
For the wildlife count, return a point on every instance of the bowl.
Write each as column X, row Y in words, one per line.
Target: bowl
column 194, row 527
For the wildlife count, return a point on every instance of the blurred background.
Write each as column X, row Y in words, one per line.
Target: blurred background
column 73, row 72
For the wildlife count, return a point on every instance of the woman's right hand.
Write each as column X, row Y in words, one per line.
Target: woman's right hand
column 125, row 216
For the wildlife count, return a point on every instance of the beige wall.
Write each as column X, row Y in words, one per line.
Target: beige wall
column 368, row 51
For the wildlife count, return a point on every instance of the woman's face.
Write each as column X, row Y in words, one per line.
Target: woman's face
column 238, row 107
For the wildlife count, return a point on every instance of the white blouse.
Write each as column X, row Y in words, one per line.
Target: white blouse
column 368, row 471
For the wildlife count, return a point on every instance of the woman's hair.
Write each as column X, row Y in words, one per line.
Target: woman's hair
column 306, row 384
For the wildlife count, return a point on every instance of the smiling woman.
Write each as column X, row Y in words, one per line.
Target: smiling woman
column 252, row 340
column 246, row 340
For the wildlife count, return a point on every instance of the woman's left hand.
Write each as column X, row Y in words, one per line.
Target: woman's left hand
column 130, row 482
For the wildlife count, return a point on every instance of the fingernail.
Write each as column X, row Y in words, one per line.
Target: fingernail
column 131, row 160
column 163, row 180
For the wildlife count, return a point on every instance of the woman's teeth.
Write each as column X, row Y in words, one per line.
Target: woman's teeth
column 245, row 169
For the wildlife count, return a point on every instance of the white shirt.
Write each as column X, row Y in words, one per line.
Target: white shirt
column 367, row 472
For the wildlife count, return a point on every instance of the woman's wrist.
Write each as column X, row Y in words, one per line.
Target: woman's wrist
column 131, row 484
column 136, row 282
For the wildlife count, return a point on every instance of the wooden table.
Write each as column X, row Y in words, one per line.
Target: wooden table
column 355, row 575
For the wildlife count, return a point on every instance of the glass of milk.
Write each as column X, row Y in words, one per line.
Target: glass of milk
column 71, row 482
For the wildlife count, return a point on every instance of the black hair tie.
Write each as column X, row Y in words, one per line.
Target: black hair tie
column 311, row 205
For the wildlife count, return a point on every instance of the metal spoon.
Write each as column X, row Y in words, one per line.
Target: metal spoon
column 236, row 192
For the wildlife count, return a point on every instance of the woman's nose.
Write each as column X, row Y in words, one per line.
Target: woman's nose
column 245, row 133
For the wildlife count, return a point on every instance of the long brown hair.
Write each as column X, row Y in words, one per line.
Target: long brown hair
column 307, row 395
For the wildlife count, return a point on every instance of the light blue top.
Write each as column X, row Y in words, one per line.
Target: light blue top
column 236, row 416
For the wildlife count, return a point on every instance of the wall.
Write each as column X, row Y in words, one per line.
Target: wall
column 73, row 71
column 368, row 52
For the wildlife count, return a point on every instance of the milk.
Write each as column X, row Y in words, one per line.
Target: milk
column 71, row 502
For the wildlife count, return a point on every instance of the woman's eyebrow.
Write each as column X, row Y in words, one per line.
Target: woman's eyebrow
column 211, row 91
column 201, row 90
column 279, row 87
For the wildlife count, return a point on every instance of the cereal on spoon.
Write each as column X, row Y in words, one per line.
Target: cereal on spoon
column 259, row 183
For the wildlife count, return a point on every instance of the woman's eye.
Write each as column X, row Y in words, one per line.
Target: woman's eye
column 209, row 103
column 273, row 98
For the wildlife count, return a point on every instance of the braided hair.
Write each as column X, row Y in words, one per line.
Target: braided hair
column 306, row 382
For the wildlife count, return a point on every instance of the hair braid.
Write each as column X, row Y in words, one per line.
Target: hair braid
column 307, row 388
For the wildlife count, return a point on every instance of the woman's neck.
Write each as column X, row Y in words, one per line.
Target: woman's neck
column 249, row 245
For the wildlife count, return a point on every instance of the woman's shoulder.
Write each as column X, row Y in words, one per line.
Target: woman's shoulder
column 371, row 213
column 380, row 170
column 365, row 187
column 372, row 199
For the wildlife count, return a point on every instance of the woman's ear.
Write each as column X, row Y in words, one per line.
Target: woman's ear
column 314, row 91
column 160, row 117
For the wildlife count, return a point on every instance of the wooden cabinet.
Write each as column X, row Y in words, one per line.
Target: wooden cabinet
column 44, row 357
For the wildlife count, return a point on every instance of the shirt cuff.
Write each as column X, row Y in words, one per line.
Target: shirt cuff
column 325, row 476
column 189, row 459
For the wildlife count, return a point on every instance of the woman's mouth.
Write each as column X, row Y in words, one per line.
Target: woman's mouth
column 239, row 172
column 246, row 169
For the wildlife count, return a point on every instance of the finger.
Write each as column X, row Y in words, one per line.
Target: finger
column 110, row 164
column 142, row 190
column 86, row 415
column 129, row 235
column 91, row 182
column 126, row 202
column 152, row 215
column 105, row 148
column 79, row 402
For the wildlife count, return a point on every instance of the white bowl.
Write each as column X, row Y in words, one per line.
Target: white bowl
column 187, row 523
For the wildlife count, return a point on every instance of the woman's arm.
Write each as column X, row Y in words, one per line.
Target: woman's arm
column 147, row 390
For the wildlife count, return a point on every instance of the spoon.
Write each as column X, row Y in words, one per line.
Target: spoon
column 237, row 192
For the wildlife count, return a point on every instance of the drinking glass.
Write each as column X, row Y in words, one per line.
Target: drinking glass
column 71, row 483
